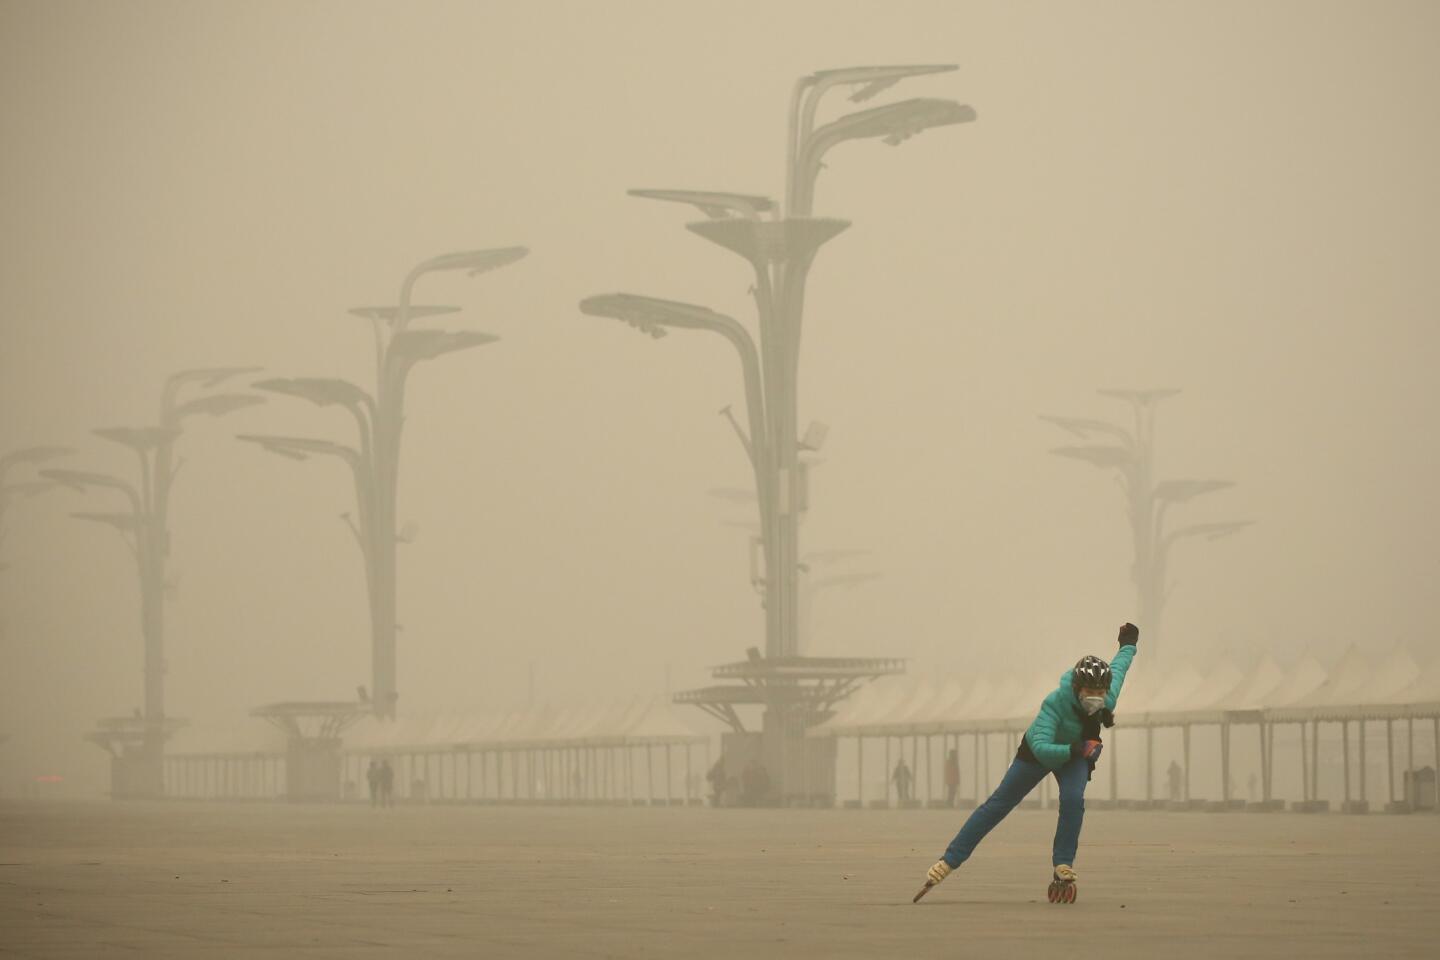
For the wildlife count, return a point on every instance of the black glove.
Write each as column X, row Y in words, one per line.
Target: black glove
column 1107, row 716
column 1129, row 635
column 1089, row 751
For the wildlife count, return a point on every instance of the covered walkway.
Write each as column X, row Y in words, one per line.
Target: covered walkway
column 637, row 752
column 1312, row 726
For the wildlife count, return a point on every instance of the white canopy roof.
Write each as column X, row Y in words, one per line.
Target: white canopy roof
column 1356, row 680
column 1391, row 675
column 1426, row 686
column 1301, row 680
column 1259, row 683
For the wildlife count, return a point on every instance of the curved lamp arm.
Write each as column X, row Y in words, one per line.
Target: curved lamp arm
column 805, row 99
column 474, row 262
column 328, row 391
column 86, row 478
column 892, row 122
column 652, row 315
column 29, row 455
column 206, row 376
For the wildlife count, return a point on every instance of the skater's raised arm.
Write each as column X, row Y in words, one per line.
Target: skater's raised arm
column 1129, row 638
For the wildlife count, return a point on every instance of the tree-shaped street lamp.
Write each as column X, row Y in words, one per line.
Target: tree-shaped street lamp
column 374, row 460
column 780, row 246
column 137, row 744
column 1130, row 453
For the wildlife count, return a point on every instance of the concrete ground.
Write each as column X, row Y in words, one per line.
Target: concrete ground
column 270, row 880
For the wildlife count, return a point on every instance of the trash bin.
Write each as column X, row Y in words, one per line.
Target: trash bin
column 1420, row 788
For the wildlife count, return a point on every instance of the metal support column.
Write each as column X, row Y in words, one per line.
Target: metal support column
column 1364, row 772
column 929, row 782
column 1345, row 758
column 1390, row 759
column 1185, row 740
column 1225, row 762
column 1114, row 769
column 914, row 764
column 1413, row 798
column 887, row 770
column 1264, row 763
column 1304, row 764
column 860, row 770
column 975, row 750
column 1149, row 764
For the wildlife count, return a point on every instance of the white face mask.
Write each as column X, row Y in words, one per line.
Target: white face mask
column 1092, row 704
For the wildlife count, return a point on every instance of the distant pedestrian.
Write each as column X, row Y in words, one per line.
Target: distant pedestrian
column 372, row 778
column 1176, row 775
column 902, row 778
column 952, row 777
column 716, row 776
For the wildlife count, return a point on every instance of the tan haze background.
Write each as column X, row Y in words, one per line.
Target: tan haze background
column 1236, row 199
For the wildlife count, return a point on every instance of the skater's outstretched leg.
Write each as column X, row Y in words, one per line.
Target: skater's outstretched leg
column 1022, row 777
column 1073, row 777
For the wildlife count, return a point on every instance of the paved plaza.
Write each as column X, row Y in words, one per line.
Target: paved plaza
column 270, row 880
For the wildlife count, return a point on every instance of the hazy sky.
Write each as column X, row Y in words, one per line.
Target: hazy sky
column 1238, row 199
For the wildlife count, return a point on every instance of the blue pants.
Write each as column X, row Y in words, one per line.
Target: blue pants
column 1022, row 777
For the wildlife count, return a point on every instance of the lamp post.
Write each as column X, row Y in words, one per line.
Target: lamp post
column 145, row 527
column 780, row 246
column 810, row 585
column 374, row 462
column 1130, row 452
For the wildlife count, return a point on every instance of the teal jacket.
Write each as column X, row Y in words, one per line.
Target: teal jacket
column 1061, row 719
